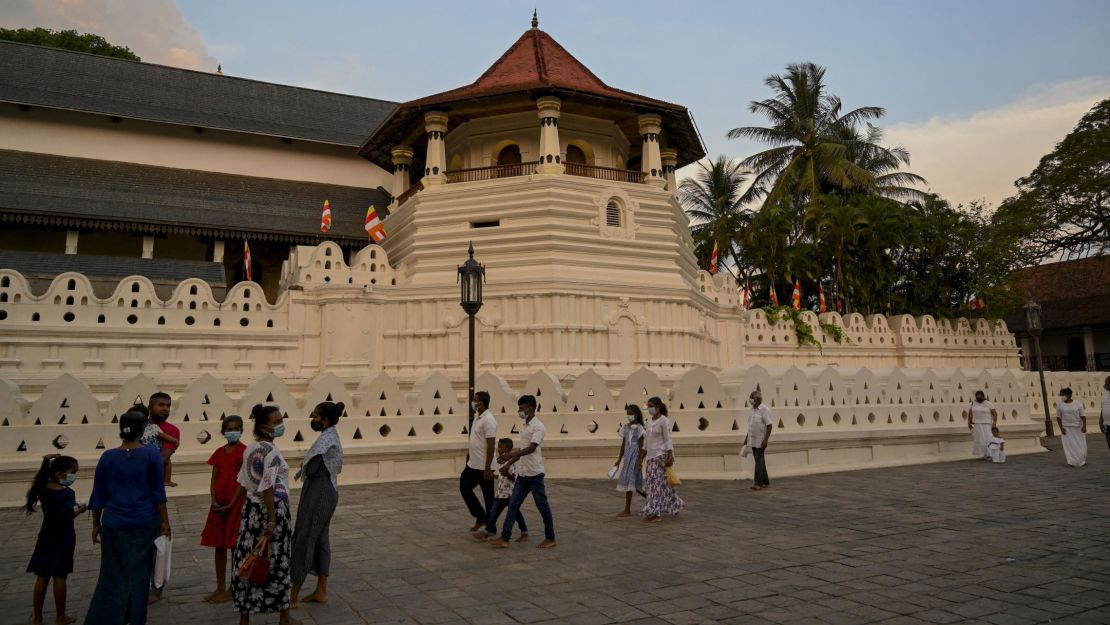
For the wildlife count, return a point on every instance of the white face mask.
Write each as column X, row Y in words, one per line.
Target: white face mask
column 474, row 406
column 651, row 410
column 631, row 418
column 522, row 414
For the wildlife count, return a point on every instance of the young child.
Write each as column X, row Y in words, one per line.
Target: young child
column 53, row 556
column 160, row 413
column 502, row 491
column 632, row 449
column 221, row 531
column 996, row 447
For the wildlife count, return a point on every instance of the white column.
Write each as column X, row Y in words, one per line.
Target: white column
column 71, row 241
column 218, row 251
column 551, row 159
column 148, row 246
column 1089, row 347
column 435, row 162
column 402, row 163
column 651, row 162
column 670, row 160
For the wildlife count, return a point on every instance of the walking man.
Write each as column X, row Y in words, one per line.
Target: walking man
column 759, row 432
column 529, row 470
column 479, row 470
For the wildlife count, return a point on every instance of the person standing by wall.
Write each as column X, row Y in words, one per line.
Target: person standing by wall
column 759, row 433
column 479, row 468
column 1104, row 413
column 1073, row 428
column 981, row 417
column 129, row 511
column 658, row 455
column 319, row 498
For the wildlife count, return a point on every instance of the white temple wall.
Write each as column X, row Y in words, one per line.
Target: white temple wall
column 84, row 135
column 827, row 418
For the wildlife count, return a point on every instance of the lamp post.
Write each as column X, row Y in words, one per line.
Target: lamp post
column 471, row 275
column 1033, row 324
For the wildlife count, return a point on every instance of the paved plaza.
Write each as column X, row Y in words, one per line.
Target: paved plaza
column 966, row 542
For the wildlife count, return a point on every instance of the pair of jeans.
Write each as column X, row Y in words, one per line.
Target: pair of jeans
column 467, row 481
column 525, row 485
column 499, row 506
column 761, row 478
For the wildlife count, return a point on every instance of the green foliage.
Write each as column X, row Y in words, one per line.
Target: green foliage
column 67, row 40
column 802, row 330
column 1063, row 206
column 714, row 201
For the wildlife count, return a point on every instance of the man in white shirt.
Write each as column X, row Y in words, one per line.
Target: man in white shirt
column 759, row 432
column 529, row 475
column 479, row 468
column 1105, row 413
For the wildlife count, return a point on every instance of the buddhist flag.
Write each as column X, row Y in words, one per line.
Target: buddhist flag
column 374, row 226
column 747, row 293
column 977, row 303
column 325, row 218
column 713, row 260
column 774, row 296
column 821, row 290
column 796, row 298
column 247, row 260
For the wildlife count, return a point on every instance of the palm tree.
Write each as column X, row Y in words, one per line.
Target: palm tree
column 815, row 146
column 838, row 225
column 883, row 164
column 715, row 199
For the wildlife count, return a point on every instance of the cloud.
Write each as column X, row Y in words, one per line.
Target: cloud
column 978, row 156
column 154, row 29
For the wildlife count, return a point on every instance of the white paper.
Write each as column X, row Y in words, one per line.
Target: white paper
column 162, row 561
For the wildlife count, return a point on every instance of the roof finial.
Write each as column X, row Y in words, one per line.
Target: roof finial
column 219, row 70
column 535, row 18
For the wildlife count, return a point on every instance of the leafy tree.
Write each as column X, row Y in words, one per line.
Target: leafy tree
column 67, row 40
column 1064, row 204
column 714, row 200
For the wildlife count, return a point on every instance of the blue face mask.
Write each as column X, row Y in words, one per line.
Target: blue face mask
column 279, row 430
column 232, row 436
column 69, row 479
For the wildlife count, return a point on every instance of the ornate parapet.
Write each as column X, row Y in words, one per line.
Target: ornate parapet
column 826, row 418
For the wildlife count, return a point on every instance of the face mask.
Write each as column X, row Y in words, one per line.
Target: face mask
column 631, row 418
column 233, row 436
column 651, row 410
column 69, row 479
column 522, row 414
column 279, row 430
column 316, row 426
column 474, row 406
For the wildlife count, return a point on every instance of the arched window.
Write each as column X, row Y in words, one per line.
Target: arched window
column 575, row 155
column 509, row 155
column 613, row 214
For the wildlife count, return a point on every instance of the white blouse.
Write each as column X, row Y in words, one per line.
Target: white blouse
column 981, row 412
column 657, row 438
column 1070, row 413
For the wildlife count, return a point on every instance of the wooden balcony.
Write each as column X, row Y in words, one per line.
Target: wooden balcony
column 477, row 174
column 605, row 173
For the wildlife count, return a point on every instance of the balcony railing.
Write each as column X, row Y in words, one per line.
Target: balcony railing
column 477, row 174
column 489, row 173
column 605, row 173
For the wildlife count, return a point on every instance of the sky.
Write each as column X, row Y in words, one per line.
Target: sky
column 976, row 90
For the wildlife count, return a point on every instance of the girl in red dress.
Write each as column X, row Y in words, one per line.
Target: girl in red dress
column 222, row 528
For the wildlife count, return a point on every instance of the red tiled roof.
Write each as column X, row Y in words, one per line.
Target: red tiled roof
column 1071, row 293
column 537, row 61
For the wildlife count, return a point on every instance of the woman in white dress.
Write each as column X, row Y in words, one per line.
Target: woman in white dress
column 981, row 417
column 1073, row 428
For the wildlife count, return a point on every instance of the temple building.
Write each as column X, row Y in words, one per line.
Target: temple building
column 114, row 168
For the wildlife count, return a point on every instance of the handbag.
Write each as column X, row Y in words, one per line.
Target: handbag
column 255, row 568
column 745, row 451
column 672, row 478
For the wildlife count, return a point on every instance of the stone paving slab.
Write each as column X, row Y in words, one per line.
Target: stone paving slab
column 965, row 542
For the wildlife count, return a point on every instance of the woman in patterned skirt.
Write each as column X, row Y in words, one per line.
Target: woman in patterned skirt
column 264, row 479
column 659, row 453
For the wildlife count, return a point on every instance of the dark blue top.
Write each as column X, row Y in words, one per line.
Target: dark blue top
column 128, row 488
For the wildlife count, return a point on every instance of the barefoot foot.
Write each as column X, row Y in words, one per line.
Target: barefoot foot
column 220, row 596
column 65, row 620
column 624, row 514
column 315, row 597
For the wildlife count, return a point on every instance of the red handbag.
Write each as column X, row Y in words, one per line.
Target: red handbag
column 256, row 566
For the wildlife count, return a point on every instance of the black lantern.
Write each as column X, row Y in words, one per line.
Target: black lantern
column 1035, row 327
column 471, row 276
